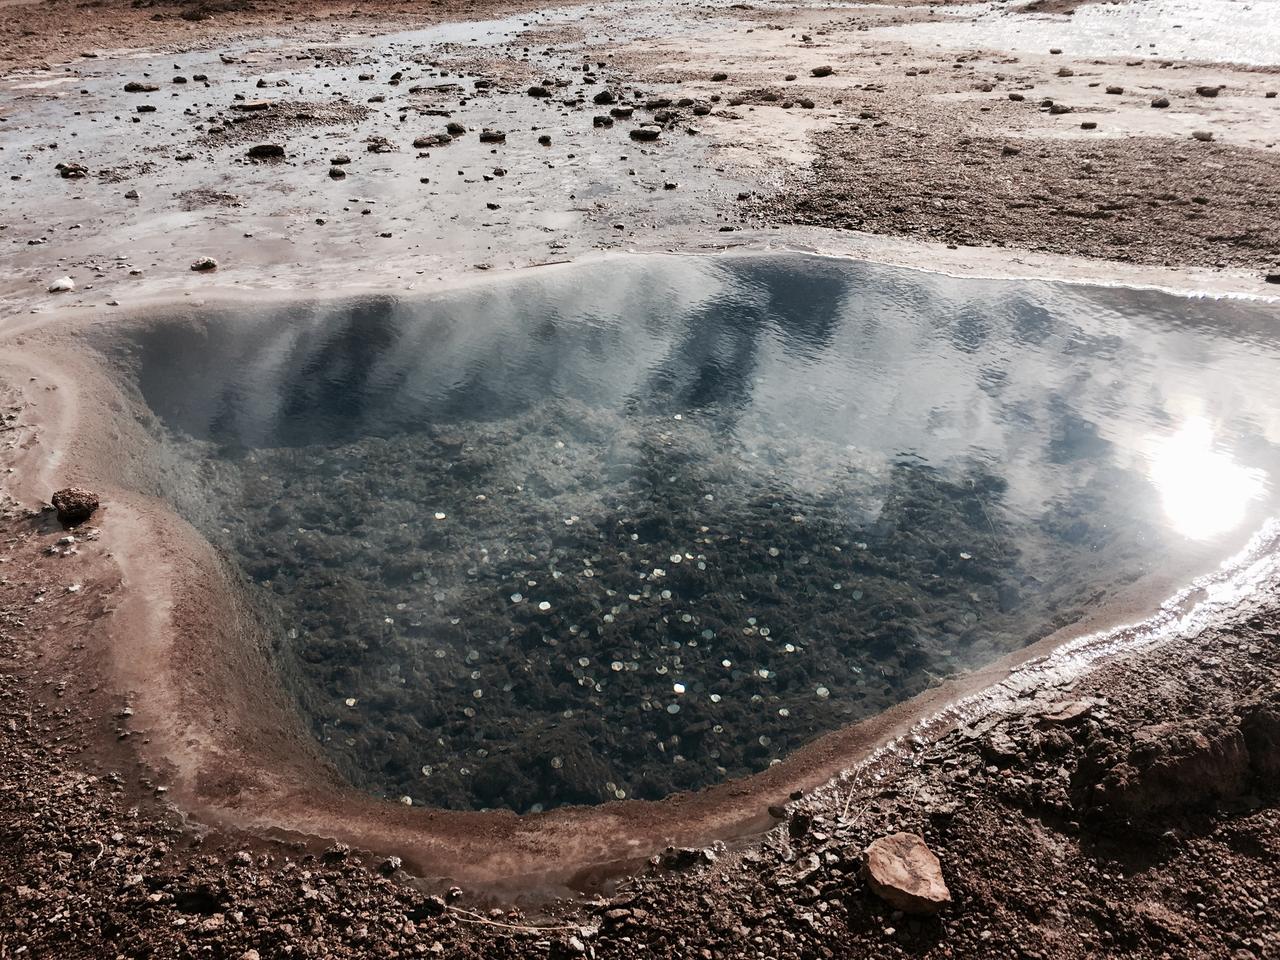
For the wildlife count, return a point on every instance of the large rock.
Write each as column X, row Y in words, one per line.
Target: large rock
column 903, row 871
column 74, row 505
column 1168, row 768
column 1260, row 725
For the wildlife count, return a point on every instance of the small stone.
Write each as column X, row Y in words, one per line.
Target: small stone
column 604, row 97
column 204, row 264
column 645, row 134
column 265, row 151
column 454, row 128
column 1066, row 72
column 492, row 136
column 390, row 865
column 1209, row 91
column 432, row 140
column 1204, row 136
column 1089, row 125
column 539, row 92
column 62, row 285
column 134, row 86
column 904, row 872
column 1017, row 97
column 1160, row 102
column 74, row 505
column 337, row 173
column 1115, row 91
column 719, row 77
column 823, row 71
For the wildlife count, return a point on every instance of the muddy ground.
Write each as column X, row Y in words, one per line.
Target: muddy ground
column 1142, row 821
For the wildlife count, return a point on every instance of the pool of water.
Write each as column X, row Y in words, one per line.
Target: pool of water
column 638, row 526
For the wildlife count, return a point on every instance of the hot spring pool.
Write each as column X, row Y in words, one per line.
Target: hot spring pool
column 639, row 526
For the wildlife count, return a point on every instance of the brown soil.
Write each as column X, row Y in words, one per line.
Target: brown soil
column 38, row 33
column 1142, row 199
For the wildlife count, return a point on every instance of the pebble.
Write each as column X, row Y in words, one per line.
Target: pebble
column 204, row 264
column 62, row 285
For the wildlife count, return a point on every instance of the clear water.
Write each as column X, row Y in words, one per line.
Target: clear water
column 639, row 526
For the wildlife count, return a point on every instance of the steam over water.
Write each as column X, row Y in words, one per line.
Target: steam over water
column 648, row 524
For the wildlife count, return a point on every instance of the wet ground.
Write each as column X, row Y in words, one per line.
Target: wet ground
column 633, row 528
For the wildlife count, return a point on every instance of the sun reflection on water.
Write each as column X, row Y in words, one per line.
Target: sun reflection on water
column 1205, row 493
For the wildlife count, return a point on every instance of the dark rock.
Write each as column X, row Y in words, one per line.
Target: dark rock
column 1167, row 768
column 492, row 136
column 1160, row 102
column 74, row 505
column 540, row 92
column 1260, row 723
column 432, row 140
column 264, row 151
column 604, row 97
column 1209, row 91
column 133, row 86
column 682, row 858
column 1115, row 91
column 645, row 134
column 823, row 71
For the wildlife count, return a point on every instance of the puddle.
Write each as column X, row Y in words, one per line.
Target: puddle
column 1220, row 31
column 627, row 528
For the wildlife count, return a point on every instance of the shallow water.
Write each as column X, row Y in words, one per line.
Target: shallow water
column 1216, row 31
column 639, row 526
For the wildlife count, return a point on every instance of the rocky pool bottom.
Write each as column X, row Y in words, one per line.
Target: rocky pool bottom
column 504, row 651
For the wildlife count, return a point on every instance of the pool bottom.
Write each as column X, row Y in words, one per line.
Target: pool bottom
column 513, row 653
